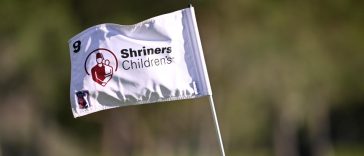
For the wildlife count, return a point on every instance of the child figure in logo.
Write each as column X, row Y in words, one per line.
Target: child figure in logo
column 101, row 73
column 108, row 71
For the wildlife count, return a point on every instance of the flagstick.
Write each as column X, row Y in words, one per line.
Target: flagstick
column 216, row 125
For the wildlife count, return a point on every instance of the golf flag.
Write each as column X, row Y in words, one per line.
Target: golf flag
column 159, row 59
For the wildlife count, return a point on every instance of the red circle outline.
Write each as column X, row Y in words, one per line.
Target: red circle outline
column 116, row 60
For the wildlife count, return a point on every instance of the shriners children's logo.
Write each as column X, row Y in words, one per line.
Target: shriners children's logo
column 101, row 64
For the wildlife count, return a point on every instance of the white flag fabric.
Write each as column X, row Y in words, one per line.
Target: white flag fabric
column 159, row 59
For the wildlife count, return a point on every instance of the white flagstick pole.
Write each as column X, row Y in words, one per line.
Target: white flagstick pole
column 216, row 125
column 193, row 24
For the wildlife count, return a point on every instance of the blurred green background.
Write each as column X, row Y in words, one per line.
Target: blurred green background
column 287, row 78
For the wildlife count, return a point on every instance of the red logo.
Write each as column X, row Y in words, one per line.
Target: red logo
column 103, row 63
